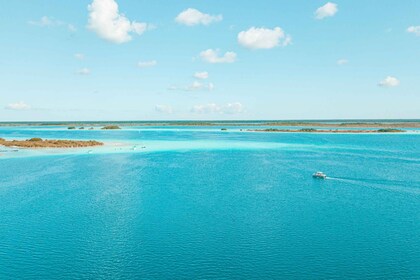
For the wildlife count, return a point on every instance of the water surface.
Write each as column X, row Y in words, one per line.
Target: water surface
column 204, row 203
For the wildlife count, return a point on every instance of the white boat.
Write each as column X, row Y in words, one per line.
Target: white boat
column 319, row 175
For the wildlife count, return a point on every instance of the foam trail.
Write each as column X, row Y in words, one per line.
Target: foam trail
column 398, row 186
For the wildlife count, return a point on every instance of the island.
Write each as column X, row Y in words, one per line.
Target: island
column 40, row 143
column 111, row 127
column 313, row 130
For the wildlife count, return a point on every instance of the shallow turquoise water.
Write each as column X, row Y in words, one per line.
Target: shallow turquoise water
column 201, row 203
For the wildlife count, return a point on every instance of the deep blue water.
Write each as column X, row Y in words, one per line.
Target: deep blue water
column 210, row 204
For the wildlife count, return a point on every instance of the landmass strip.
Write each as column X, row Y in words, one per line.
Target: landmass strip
column 386, row 130
column 40, row 143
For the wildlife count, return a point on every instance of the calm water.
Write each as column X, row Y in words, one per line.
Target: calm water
column 202, row 203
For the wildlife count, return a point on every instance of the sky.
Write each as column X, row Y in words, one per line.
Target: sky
column 209, row 60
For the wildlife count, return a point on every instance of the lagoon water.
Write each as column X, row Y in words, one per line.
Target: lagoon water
column 204, row 203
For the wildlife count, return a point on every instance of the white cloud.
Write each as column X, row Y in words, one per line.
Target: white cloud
column 79, row 56
column 144, row 64
column 213, row 108
column 414, row 29
column 233, row 108
column 328, row 10
column 83, row 71
column 192, row 17
column 164, row 109
column 212, row 56
column 263, row 38
column 194, row 86
column 389, row 82
column 47, row 21
column 210, row 108
column 201, row 75
column 18, row 106
column 342, row 61
column 108, row 23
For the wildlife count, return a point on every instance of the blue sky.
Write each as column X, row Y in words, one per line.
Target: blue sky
column 153, row 60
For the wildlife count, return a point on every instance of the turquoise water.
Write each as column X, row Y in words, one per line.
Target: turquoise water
column 202, row 203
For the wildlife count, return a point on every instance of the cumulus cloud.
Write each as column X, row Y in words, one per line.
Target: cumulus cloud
column 212, row 56
column 18, row 106
column 79, row 56
column 328, row 10
column 144, row 64
column 213, row 108
column 389, row 82
column 342, row 61
column 414, row 29
column 164, row 109
column 263, row 38
column 192, row 17
column 108, row 23
column 83, row 71
column 201, row 75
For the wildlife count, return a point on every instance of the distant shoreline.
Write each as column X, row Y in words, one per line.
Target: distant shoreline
column 326, row 123
column 311, row 130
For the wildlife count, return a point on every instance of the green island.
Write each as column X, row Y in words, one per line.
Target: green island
column 111, row 127
column 382, row 130
column 40, row 143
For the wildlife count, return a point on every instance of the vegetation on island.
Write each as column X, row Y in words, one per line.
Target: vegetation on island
column 111, row 127
column 40, row 143
column 307, row 130
column 71, row 127
column 390, row 130
column 328, row 130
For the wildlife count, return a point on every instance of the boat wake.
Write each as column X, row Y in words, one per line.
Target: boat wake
column 387, row 185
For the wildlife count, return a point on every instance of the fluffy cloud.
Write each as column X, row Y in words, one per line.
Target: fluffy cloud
column 192, row 17
column 18, row 106
column 108, row 23
column 389, row 82
column 201, row 75
column 83, row 71
column 144, row 64
column 414, row 29
column 164, row 109
column 263, row 38
column 342, row 61
column 79, row 56
column 213, row 108
column 212, row 56
column 328, row 10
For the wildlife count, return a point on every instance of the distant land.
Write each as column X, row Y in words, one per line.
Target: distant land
column 290, row 123
column 40, row 143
